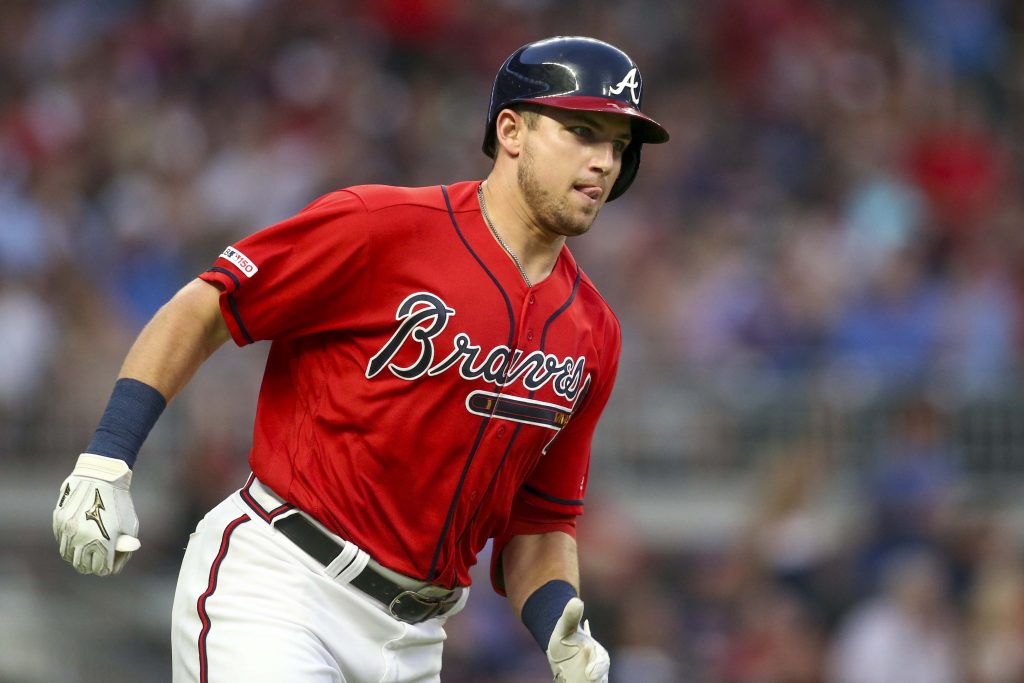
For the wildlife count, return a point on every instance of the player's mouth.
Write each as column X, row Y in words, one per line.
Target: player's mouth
column 592, row 193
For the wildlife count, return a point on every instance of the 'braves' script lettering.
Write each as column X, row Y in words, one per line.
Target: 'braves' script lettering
column 423, row 316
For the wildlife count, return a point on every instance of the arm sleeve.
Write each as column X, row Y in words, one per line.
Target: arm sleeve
column 301, row 276
column 552, row 497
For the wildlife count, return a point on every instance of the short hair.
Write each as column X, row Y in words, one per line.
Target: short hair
column 530, row 111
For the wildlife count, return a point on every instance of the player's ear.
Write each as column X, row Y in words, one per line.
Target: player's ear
column 509, row 130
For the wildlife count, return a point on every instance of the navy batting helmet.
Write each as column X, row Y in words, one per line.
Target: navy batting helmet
column 580, row 74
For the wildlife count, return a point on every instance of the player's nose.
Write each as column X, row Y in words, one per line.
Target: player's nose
column 603, row 157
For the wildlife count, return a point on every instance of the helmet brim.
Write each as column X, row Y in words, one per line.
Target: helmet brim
column 645, row 129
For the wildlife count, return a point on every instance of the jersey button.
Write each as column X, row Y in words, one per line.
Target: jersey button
column 533, row 299
column 529, row 335
column 501, row 432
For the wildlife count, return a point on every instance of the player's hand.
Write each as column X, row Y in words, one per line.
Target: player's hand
column 94, row 521
column 574, row 655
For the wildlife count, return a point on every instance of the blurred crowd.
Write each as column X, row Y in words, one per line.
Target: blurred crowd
column 838, row 215
column 898, row 579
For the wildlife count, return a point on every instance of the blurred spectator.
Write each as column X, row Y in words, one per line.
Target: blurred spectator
column 908, row 633
column 979, row 324
column 961, row 170
column 28, row 344
column 886, row 335
column 648, row 633
column 794, row 532
column 965, row 36
column 777, row 641
column 28, row 336
column 995, row 610
column 913, row 486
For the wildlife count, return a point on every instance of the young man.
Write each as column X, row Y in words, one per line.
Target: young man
column 438, row 365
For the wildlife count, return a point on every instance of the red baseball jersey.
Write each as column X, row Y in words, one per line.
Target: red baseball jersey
column 419, row 398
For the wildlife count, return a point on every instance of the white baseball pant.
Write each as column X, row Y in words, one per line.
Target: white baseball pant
column 252, row 606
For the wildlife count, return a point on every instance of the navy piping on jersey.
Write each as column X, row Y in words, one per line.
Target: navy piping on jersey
column 231, row 302
column 490, row 484
column 551, row 499
column 266, row 516
column 512, row 439
column 543, row 341
column 462, row 238
column 431, row 575
column 204, row 618
column 225, row 271
column 561, row 309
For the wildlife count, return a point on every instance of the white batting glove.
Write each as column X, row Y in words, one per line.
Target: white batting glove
column 94, row 521
column 574, row 655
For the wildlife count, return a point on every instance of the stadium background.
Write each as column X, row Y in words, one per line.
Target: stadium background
column 811, row 469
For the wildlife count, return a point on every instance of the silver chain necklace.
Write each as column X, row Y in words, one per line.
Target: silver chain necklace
column 487, row 219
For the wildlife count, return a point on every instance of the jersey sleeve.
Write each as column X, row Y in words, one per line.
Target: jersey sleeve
column 301, row 276
column 552, row 497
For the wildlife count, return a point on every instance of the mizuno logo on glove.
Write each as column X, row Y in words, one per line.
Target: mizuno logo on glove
column 94, row 514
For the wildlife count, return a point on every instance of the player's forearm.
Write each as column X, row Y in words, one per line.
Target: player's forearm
column 179, row 338
column 529, row 562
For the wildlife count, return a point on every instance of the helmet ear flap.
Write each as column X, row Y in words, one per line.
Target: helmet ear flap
column 490, row 146
column 628, row 170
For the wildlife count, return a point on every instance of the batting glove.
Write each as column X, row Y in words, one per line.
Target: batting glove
column 574, row 655
column 94, row 521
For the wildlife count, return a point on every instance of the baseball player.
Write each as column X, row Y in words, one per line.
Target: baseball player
column 438, row 365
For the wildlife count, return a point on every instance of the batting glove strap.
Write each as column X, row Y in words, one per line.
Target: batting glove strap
column 94, row 520
column 112, row 470
column 574, row 655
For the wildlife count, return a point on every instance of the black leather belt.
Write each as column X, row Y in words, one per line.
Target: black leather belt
column 406, row 605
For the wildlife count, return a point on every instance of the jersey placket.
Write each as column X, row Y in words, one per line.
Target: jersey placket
column 524, row 344
column 501, row 430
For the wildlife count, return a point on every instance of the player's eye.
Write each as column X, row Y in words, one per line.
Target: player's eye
column 620, row 146
column 584, row 132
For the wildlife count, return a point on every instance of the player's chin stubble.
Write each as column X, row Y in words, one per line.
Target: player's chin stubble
column 553, row 213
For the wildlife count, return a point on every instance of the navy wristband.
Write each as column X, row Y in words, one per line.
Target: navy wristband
column 544, row 607
column 133, row 409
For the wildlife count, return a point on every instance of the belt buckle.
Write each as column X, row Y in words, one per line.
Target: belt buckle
column 403, row 607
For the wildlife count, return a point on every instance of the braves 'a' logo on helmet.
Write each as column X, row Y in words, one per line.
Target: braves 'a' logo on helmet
column 628, row 82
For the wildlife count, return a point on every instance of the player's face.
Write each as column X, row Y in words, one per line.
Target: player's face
column 567, row 167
